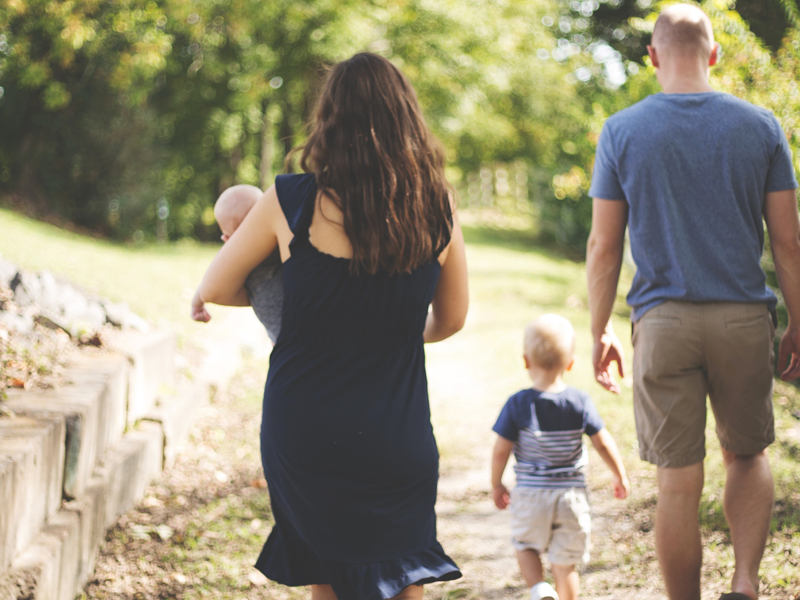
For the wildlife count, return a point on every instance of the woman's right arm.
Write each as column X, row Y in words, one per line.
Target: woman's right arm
column 254, row 240
column 451, row 299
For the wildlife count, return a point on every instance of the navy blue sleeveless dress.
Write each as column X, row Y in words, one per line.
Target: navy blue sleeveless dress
column 346, row 439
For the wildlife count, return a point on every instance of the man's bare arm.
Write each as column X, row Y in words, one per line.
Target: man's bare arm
column 603, row 264
column 783, row 225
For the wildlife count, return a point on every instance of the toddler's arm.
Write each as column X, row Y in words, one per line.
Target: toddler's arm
column 607, row 449
column 502, row 450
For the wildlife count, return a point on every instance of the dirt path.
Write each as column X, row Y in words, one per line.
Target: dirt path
column 200, row 529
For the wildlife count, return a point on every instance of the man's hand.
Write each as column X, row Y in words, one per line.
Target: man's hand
column 789, row 353
column 608, row 349
column 603, row 263
column 622, row 487
column 199, row 312
column 501, row 497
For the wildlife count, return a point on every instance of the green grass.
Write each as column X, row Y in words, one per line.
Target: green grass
column 157, row 282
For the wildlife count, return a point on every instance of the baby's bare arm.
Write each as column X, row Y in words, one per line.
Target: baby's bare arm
column 607, row 449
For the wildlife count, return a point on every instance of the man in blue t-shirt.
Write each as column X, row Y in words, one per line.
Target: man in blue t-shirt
column 692, row 171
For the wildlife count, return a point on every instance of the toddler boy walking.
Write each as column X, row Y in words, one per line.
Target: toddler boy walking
column 544, row 427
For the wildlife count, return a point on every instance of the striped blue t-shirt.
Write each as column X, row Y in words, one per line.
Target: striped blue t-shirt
column 547, row 430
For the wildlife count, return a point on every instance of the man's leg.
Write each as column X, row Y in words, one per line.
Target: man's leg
column 749, row 493
column 678, row 531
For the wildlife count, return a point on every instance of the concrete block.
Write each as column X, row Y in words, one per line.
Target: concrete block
column 128, row 468
column 48, row 568
column 92, row 507
column 31, row 475
column 176, row 411
column 111, row 370
column 81, row 407
column 85, row 510
column 152, row 365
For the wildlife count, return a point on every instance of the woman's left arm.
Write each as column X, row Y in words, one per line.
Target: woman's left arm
column 451, row 298
column 253, row 241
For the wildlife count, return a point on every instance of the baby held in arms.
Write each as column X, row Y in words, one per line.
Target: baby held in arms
column 264, row 285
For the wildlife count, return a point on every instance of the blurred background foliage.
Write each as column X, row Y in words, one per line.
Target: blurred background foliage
column 128, row 117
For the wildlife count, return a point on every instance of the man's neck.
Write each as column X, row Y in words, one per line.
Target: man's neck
column 681, row 78
column 685, row 87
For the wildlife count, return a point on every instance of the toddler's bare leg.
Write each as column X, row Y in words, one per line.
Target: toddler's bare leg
column 568, row 584
column 530, row 565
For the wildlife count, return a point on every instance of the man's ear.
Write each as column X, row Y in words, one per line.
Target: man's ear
column 570, row 364
column 714, row 56
column 651, row 50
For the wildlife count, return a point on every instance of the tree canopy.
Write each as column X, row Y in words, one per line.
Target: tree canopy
column 129, row 117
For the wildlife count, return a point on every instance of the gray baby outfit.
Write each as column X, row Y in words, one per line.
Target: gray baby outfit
column 264, row 287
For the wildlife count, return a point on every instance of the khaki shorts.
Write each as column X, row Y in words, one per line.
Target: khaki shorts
column 684, row 351
column 556, row 521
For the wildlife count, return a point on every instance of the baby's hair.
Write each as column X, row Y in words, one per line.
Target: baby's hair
column 233, row 205
column 549, row 342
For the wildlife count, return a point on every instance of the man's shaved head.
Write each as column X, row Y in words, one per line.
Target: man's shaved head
column 683, row 29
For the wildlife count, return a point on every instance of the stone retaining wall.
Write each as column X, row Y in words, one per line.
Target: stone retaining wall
column 72, row 460
column 75, row 457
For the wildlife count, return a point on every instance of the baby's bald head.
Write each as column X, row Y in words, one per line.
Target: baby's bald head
column 685, row 30
column 232, row 207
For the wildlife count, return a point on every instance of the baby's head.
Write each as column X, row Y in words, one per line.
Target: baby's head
column 232, row 207
column 549, row 343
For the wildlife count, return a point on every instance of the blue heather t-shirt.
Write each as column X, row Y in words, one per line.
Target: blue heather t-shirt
column 694, row 170
column 547, row 430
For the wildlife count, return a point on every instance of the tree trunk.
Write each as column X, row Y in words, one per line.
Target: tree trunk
column 267, row 148
column 287, row 135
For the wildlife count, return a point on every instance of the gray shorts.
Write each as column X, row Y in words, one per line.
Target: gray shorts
column 555, row 521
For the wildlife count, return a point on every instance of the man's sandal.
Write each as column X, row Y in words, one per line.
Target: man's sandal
column 735, row 596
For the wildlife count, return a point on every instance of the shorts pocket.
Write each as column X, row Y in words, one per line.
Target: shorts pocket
column 657, row 320
column 746, row 321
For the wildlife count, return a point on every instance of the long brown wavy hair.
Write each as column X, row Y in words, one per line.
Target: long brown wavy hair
column 373, row 154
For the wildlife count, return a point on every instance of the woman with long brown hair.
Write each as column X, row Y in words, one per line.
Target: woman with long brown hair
column 369, row 240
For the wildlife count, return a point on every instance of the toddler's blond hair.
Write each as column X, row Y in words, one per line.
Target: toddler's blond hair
column 549, row 342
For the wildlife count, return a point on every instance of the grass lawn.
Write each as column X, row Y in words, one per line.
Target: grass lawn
column 157, row 282
column 512, row 280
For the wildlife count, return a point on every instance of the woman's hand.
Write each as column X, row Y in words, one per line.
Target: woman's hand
column 199, row 312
